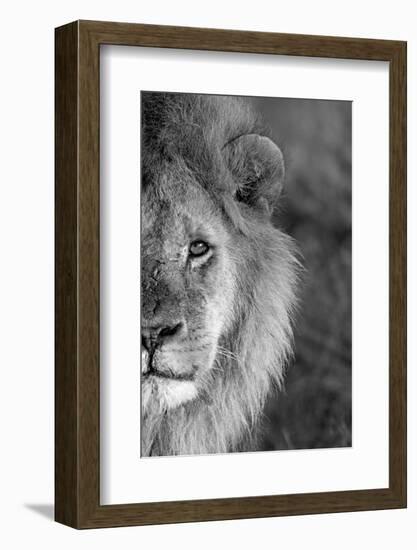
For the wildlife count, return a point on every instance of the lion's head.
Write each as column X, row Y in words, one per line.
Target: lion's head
column 217, row 277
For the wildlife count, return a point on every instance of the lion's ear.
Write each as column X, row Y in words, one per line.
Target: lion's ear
column 257, row 166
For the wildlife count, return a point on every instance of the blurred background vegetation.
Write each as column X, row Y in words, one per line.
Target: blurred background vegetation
column 314, row 411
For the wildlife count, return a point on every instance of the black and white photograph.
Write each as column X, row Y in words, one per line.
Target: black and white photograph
column 246, row 274
column 209, row 257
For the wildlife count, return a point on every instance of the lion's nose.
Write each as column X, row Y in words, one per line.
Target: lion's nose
column 154, row 336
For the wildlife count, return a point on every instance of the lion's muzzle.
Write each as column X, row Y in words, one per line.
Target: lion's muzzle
column 157, row 341
column 155, row 336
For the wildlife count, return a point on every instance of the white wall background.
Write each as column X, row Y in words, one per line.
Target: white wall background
column 26, row 272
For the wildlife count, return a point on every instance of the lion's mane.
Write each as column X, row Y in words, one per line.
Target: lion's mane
column 251, row 357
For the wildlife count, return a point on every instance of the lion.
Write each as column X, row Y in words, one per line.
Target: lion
column 218, row 280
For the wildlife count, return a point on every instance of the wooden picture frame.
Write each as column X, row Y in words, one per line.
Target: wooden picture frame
column 77, row 376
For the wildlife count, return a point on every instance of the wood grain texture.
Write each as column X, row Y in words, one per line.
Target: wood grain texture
column 398, row 274
column 78, row 287
column 66, row 304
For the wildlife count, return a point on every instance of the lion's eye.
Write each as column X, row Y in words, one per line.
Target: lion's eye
column 198, row 248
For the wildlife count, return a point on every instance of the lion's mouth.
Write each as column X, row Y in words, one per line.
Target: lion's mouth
column 152, row 371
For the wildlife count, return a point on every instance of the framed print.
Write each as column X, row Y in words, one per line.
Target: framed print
column 230, row 274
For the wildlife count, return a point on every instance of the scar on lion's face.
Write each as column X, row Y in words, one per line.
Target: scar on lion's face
column 187, row 292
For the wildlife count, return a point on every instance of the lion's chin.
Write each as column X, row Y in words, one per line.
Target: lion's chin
column 162, row 394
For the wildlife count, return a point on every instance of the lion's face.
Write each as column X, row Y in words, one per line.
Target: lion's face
column 187, row 290
column 217, row 277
